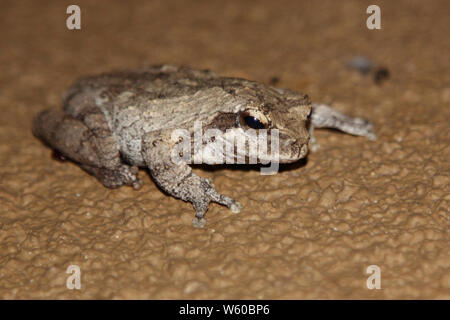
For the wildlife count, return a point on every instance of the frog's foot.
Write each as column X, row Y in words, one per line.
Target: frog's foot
column 215, row 196
column 201, row 203
column 198, row 222
column 201, row 206
column 178, row 180
column 235, row 207
column 116, row 177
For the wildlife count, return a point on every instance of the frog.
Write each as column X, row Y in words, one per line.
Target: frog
column 112, row 124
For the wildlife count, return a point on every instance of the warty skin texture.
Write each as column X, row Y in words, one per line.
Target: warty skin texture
column 112, row 124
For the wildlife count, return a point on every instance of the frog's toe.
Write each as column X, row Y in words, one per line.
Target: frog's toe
column 371, row 136
column 198, row 222
column 137, row 184
column 235, row 207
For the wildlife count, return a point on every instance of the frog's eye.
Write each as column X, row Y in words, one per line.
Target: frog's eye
column 254, row 119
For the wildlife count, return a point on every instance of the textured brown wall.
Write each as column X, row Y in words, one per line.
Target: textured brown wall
column 308, row 232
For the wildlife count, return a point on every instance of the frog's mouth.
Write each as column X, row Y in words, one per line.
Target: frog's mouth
column 299, row 151
column 296, row 153
column 252, row 151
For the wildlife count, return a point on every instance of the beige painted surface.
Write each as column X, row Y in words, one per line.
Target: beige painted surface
column 308, row 232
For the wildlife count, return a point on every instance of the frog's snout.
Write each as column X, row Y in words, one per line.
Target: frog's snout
column 299, row 149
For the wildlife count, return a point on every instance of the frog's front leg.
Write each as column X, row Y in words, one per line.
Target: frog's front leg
column 177, row 179
column 323, row 116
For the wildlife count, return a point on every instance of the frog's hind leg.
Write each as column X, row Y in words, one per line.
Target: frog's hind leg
column 88, row 142
column 116, row 177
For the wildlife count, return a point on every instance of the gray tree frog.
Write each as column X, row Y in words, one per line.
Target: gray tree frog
column 112, row 124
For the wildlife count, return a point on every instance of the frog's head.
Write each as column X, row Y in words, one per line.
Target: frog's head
column 264, row 118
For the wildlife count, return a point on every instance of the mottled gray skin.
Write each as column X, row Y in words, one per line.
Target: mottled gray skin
column 112, row 124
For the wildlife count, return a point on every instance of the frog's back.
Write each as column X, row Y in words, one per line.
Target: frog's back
column 146, row 100
column 112, row 92
column 158, row 81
